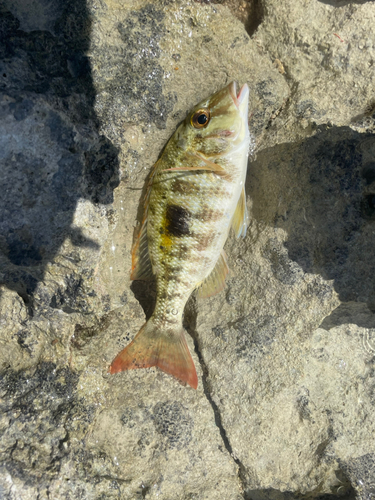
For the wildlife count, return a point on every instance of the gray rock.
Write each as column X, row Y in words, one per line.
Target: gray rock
column 325, row 49
column 90, row 93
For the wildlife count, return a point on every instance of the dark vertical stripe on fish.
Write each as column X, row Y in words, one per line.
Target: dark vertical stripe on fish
column 177, row 221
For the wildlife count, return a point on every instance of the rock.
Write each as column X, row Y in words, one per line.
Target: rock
column 90, row 93
column 326, row 50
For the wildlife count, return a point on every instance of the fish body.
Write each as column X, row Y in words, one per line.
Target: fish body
column 195, row 194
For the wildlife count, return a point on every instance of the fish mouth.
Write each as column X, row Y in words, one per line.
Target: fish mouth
column 238, row 97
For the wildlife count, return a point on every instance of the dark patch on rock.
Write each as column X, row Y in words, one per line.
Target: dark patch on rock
column 307, row 109
column 302, row 402
column 328, row 226
column 265, row 91
column 250, row 12
column 73, row 298
column 42, row 57
column 368, row 172
column 254, row 337
column 124, row 298
column 129, row 418
column 368, row 206
column 173, row 421
column 138, row 80
column 284, row 269
column 21, row 108
column 24, row 283
column 59, row 131
column 101, row 167
column 361, row 472
column 23, row 342
column 342, row 3
column 219, row 332
column 145, row 293
column 42, row 409
column 346, row 493
column 48, row 101
column 68, row 174
column 21, row 253
column 83, row 334
column 133, row 417
column 351, row 312
column 106, row 301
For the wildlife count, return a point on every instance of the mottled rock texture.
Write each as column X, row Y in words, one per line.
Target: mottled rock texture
column 90, row 93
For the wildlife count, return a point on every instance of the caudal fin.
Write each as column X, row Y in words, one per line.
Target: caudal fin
column 167, row 350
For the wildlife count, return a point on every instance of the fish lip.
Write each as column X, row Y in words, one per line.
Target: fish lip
column 233, row 92
column 243, row 94
column 239, row 97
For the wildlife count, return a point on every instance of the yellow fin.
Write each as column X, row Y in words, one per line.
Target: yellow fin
column 240, row 217
column 141, row 263
column 211, row 168
column 215, row 282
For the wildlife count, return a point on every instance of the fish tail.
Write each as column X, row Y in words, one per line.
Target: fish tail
column 166, row 349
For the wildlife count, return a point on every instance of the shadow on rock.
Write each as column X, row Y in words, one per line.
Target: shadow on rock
column 51, row 152
column 145, row 293
column 322, row 193
column 342, row 3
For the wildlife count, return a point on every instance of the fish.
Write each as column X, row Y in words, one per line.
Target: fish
column 195, row 194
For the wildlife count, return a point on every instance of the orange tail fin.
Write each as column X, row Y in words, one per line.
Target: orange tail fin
column 154, row 347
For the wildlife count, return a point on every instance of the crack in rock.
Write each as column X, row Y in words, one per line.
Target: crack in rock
column 190, row 326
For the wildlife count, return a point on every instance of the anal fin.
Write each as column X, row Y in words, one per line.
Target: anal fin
column 215, row 282
column 240, row 217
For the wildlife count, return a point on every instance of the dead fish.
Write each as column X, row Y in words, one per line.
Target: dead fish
column 194, row 195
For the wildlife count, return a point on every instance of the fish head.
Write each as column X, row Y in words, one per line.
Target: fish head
column 218, row 124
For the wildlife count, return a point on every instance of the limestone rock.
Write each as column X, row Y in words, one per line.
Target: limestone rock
column 325, row 49
column 90, row 93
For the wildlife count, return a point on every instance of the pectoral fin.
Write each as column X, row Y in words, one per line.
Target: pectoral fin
column 215, row 282
column 206, row 165
column 141, row 263
column 240, row 217
column 216, row 169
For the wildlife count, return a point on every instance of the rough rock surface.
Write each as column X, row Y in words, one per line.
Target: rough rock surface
column 90, row 93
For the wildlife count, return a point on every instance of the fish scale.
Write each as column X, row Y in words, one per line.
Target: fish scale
column 194, row 195
column 185, row 273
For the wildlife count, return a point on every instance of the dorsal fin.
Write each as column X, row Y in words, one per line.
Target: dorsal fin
column 215, row 282
column 240, row 217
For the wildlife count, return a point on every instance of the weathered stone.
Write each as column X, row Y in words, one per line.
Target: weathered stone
column 326, row 50
column 90, row 93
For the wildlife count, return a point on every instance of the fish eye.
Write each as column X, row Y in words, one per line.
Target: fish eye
column 200, row 118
